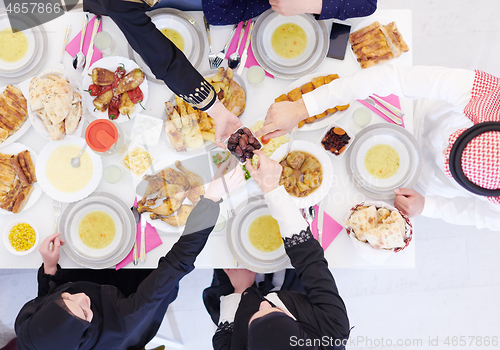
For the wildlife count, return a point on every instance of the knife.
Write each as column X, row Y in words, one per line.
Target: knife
column 387, row 105
column 321, row 215
column 388, row 114
column 245, row 51
column 143, row 237
column 137, row 218
column 90, row 51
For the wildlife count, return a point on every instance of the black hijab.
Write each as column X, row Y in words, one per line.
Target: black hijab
column 45, row 323
column 275, row 331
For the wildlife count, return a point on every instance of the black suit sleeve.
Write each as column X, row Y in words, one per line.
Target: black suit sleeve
column 44, row 280
column 307, row 256
column 165, row 60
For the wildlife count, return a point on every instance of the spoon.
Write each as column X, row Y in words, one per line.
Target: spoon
column 234, row 58
column 79, row 58
column 75, row 162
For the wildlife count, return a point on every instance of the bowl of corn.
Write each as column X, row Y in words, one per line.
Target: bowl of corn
column 20, row 237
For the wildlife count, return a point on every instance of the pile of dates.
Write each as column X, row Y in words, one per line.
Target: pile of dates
column 335, row 140
column 242, row 143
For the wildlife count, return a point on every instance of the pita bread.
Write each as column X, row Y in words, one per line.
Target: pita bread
column 73, row 119
column 57, row 102
column 386, row 236
column 362, row 221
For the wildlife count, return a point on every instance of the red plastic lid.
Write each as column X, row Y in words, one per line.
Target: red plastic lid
column 101, row 134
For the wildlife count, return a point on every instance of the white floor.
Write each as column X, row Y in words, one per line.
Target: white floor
column 454, row 290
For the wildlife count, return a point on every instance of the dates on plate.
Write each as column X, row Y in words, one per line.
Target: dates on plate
column 242, row 144
column 335, row 140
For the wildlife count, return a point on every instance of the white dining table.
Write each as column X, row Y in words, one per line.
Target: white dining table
column 216, row 254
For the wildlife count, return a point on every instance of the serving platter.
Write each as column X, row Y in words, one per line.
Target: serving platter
column 194, row 42
column 157, row 167
column 49, row 189
column 111, row 63
column 409, row 153
column 40, row 44
column 15, row 148
column 207, row 145
column 21, row 131
column 307, row 62
column 239, row 243
column 119, row 248
column 34, row 117
column 323, row 122
column 322, row 191
column 365, row 23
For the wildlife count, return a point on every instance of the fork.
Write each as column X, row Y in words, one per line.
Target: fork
column 222, row 54
column 56, row 206
column 211, row 55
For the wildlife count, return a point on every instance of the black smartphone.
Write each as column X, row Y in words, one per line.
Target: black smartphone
column 339, row 37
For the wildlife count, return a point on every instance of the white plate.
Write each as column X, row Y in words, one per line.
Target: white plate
column 40, row 38
column 21, row 131
column 322, row 191
column 141, row 186
column 111, row 63
column 383, row 21
column 307, row 62
column 50, row 190
column 75, row 86
column 410, row 157
column 16, row 148
column 207, row 145
column 323, row 122
column 242, row 249
column 194, row 42
column 98, row 258
column 6, row 233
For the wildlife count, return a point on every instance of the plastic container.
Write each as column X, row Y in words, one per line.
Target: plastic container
column 105, row 137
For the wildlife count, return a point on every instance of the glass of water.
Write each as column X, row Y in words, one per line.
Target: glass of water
column 104, row 43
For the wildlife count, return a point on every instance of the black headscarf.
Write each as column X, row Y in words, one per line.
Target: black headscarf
column 275, row 331
column 46, row 323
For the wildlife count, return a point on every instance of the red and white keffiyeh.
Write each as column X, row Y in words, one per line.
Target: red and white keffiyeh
column 481, row 157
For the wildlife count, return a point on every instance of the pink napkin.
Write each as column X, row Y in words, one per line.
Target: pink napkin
column 331, row 228
column 251, row 61
column 74, row 46
column 152, row 241
column 392, row 99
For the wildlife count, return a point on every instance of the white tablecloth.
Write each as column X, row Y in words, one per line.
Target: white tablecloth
column 343, row 194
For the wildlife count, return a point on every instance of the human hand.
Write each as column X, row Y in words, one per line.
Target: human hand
column 234, row 178
column 267, row 174
column 225, row 123
column 282, row 117
column 296, row 7
column 50, row 257
column 241, row 279
column 410, row 202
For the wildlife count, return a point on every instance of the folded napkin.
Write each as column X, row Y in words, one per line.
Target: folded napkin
column 74, row 46
column 331, row 228
column 251, row 61
column 392, row 99
column 152, row 238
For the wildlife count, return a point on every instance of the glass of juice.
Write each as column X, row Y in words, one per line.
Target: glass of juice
column 112, row 174
column 255, row 75
column 362, row 116
column 104, row 43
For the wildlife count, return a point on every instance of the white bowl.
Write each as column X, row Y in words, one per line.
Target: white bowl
column 12, row 67
column 6, row 237
column 321, row 192
column 349, row 133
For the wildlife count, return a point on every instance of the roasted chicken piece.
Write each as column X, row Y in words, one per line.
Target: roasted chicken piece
column 180, row 218
column 167, row 208
column 295, row 159
column 174, row 177
column 195, row 181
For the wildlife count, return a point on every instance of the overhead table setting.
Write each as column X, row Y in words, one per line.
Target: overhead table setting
column 129, row 147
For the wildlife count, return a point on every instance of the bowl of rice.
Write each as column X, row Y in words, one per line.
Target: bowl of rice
column 20, row 237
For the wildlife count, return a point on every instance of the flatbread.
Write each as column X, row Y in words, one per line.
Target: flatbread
column 386, row 236
column 363, row 220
